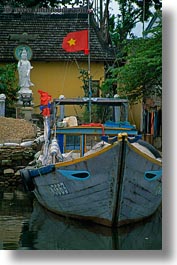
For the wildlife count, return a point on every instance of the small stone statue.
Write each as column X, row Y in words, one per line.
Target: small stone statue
column 24, row 68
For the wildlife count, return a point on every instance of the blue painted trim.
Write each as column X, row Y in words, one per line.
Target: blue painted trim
column 153, row 175
column 135, row 138
column 82, row 145
column 60, row 140
column 42, row 170
column 121, row 124
column 108, row 139
column 70, row 174
column 79, row 130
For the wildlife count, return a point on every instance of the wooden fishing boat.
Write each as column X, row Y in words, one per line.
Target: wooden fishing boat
column 114, row 183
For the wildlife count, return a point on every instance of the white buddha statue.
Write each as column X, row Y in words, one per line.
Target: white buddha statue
column 24, row 68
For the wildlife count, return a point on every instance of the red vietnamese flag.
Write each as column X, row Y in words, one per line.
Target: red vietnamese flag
column 76, row 41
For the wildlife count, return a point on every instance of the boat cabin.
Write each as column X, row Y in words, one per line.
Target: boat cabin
column 82, row 137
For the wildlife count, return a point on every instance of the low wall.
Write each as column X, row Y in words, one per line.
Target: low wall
column 12, row 159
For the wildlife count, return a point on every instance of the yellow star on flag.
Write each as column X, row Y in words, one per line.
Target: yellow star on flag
column 72, row 42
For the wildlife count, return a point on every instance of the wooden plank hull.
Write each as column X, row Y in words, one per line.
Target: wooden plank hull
column 89, row 198
column 140, row 197
column 107, row 187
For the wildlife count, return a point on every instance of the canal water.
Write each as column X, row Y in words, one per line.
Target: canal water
column 25, row 225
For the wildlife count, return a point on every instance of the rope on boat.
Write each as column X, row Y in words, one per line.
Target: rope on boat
column 55, row 149
column 95, row 125
column 46, row 140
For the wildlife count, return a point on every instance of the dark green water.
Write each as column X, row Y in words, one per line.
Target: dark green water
column 24, row 225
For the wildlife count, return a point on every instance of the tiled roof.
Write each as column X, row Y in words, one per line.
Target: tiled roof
column 45, row 33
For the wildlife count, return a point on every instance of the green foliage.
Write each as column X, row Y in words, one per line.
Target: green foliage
column 141, row 75
column 98, row 113
column 84, row 77
column 130, row 13
column 8, row 83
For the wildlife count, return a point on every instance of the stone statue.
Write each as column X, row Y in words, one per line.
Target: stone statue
column 24, row 68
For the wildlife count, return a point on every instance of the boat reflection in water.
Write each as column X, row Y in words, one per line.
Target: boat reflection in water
column 47, row 231
column 15, row 211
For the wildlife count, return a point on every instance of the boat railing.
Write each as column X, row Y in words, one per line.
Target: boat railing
column 119, row 106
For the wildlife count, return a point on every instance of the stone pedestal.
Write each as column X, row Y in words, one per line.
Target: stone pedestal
column 24, row 112
column 25, row 97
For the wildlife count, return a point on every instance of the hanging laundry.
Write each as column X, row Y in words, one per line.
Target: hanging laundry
column 152, row 123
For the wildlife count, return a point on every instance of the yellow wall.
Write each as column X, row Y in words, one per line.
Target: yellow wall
column 61, row 78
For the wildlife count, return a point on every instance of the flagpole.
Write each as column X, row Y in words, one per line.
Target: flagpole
column 89, row 75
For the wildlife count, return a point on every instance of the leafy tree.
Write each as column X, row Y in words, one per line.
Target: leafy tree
column 130, row 13
column 141, row 75
column 8, row 83
column 84, row 77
